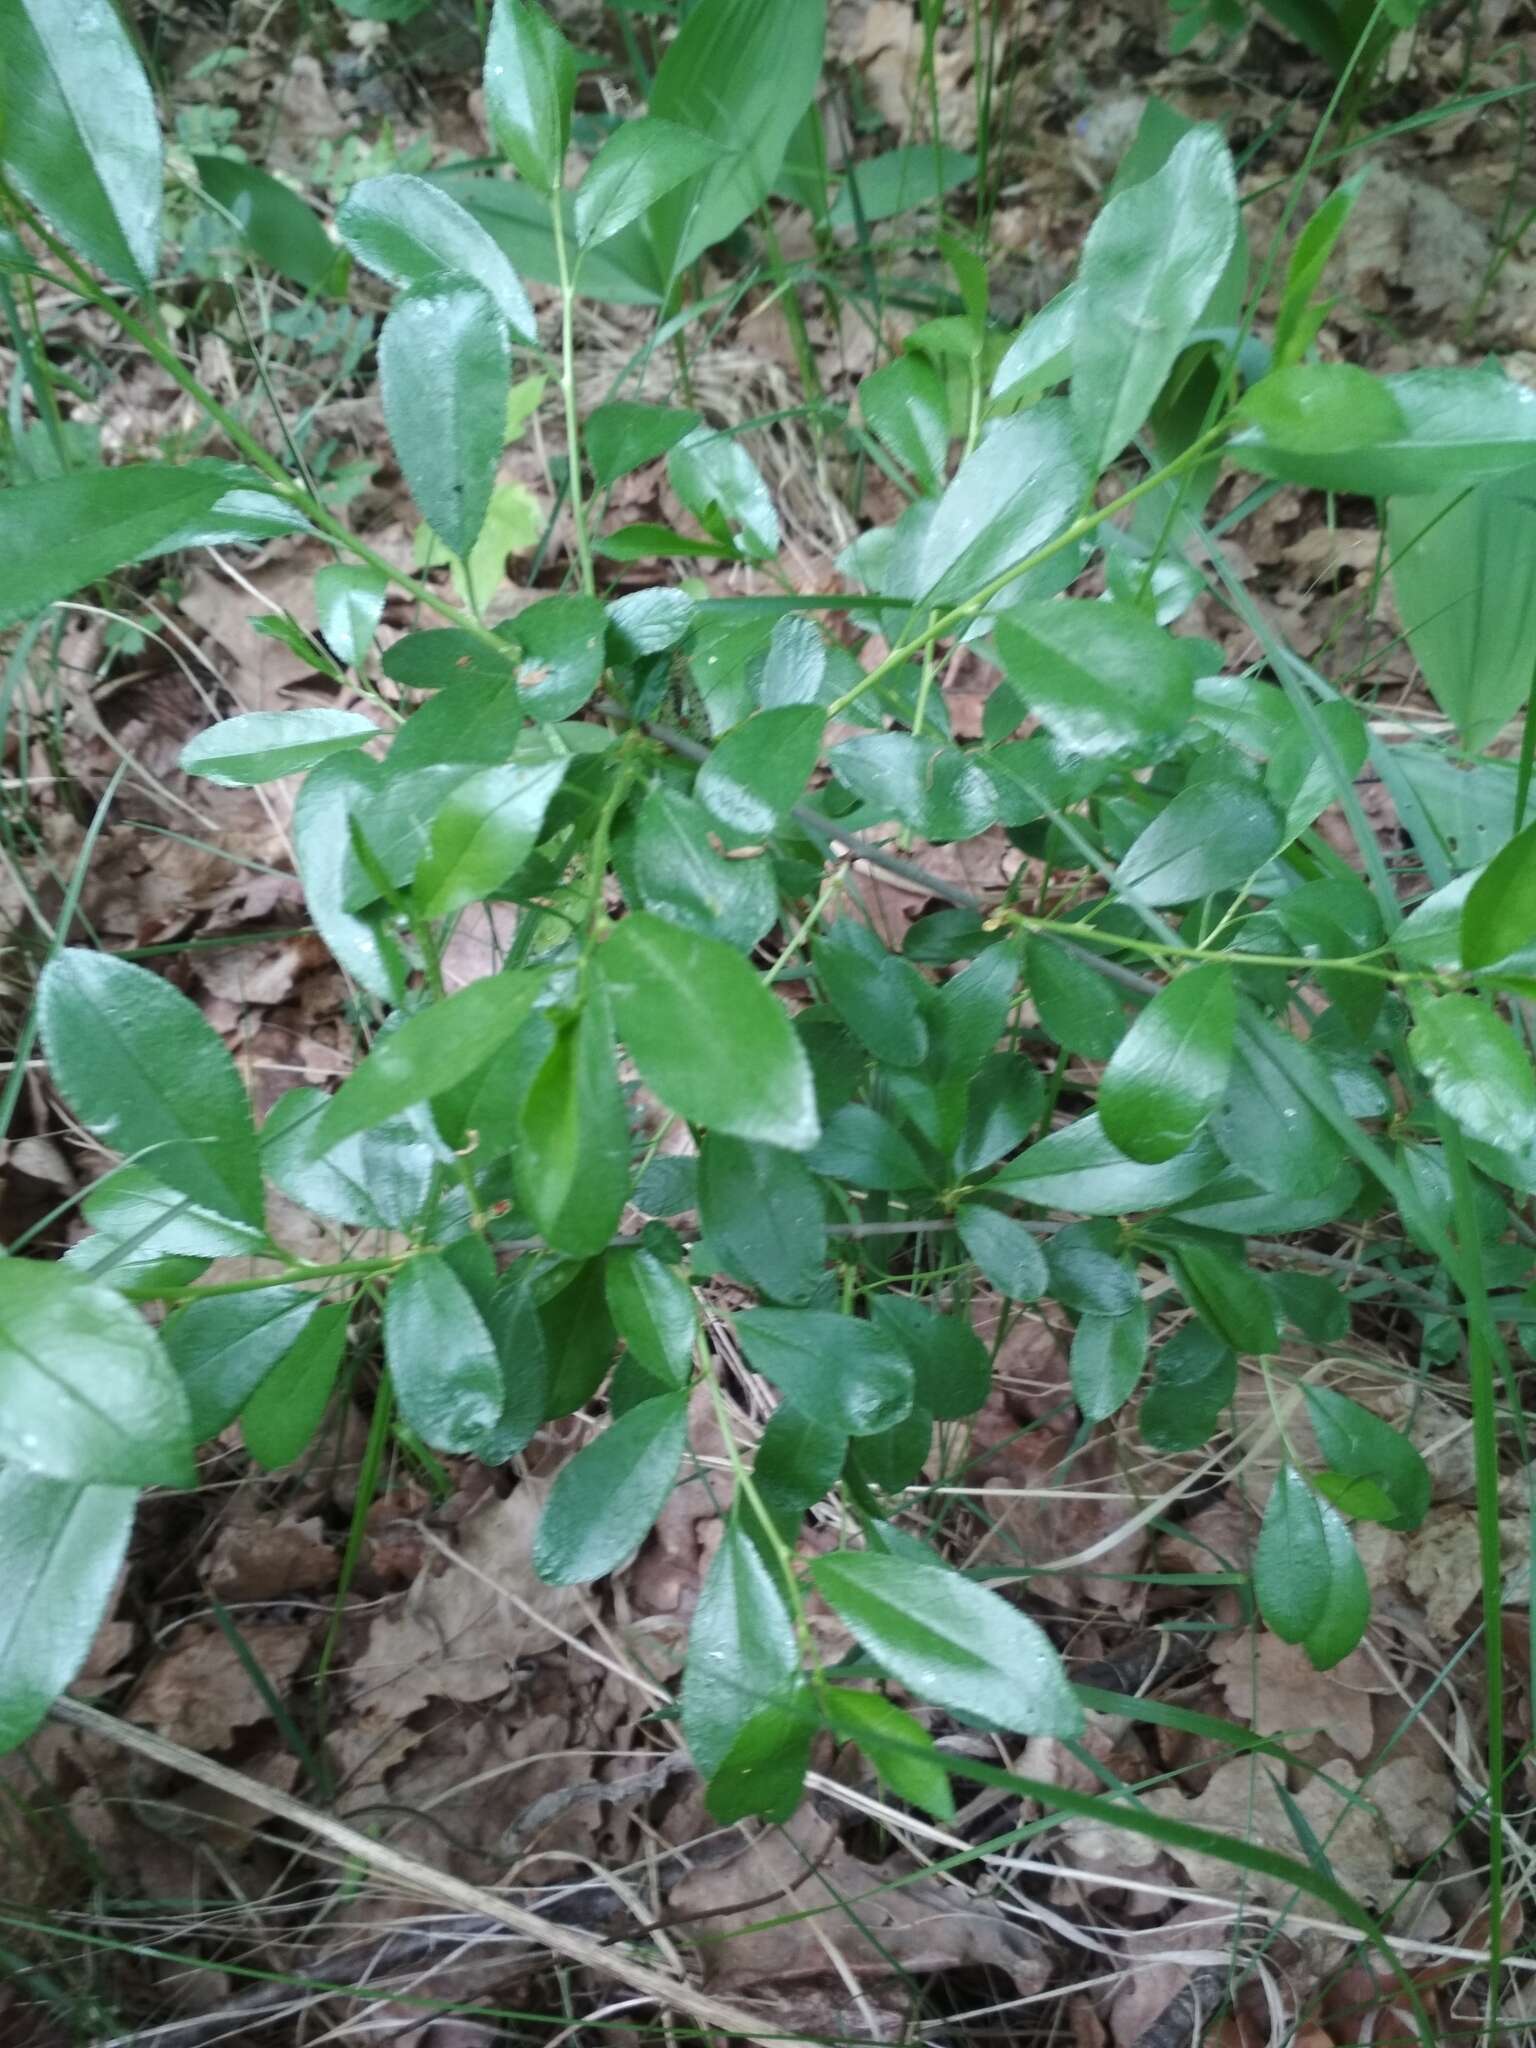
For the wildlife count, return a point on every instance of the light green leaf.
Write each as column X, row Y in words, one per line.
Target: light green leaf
column 1292, row 1572
column 409, row 232
column 1150, row 263
column 641, row 161
column 604, row 1501
column 572, row 1158
column 147, row 1074
column 680, row 874
column 652, row 1309
column 428, row 1052
column 898, row 181
column 763, row 1772
column 482, row 833
column 334, row 801
column 839, row 1371
column 764, row 1214
column 1458, row 568
column 1298, row 320
column 262, row 745
column 760, row 769
column 79, row 133
column 950, row 1641
column 906, row 409
column 1458, row 427
column 1078, row 1168
column 905, row 1756
column 57, row 536
column 280, row 228
column 86, row 1392
column 1170, row 1071
column 742, row 1654
column 1007, row 1253
column 1102, row 677
column 1040, row 354
column 1010, row 496
column 1107, row 1360
column 723, row 488
column 444, row 370
column 530, row 86
column 1315, row 408
column 63, row 1546
column 742, row 75
column 706, row 1034
column 349, row 603
column 441, row 1357
column 942, row 792
column 1360, row 1445
column 281, row 1417
column 1499, row 915
column 1479, row 1073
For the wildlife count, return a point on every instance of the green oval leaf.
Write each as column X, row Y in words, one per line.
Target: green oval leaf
column 652, row 1309
column 842, row 1373
column 764, row 1213
column 144, row 1071
column 483, row 831
column 742, row 1654
column 1360, row 1445
column 1005, row 1250
column 760, row 769
column 444, row 370
column 1170, row 1071
column 86, row 1392
column 1102, row 677
column 262, row 745
column 706, row 1034
column 641, row 162
column 223, row 1348
column 282, row 1415
column 530, row 85
column 409, row 231
column 1291, row 1568
column 349, row 603
column 280, row 228
column 1499, row 915
column 1479, row 1073
column 442, row 1359
column 950, row 1641
column 604, row 1501
column 572, row 1159
column 1079, row 1168
column 1107, row 1359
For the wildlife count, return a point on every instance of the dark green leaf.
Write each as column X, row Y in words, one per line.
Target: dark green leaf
column 1457, row 427
column 865, row 1149
column 1479, row 1072
column 441, row 1357
column 1347, row 1608
column 652, row 1309
column 641, row 162
column 1213, row 835
column 1360, row 1445
column 56, row 536
column 443, row 374
column 144, row 1071
column 950, row 1641
column 1227, row 1295
column 409, row 232
column 624, row 436
column 1005, row 1250
column 573, row 1157
column 1292, row 1571
column 427, row 1053
column 742, row 1654
column 942, row 792
column 131, row 1204
column 282, row 1416
column 706, row 1034
column 764, row 1213
column 1078, row 1168
column 902, row 1751
column 763, row 1772
column 951, row 1371
column 530, row 85
column 482, row 833
column 1077, row 1006
column 1298, row 321
column 64, row 1546
column 518, row 1336
column 579, row 1338
column 1313, row 1305
column 897, row 181
column 1269, row 1130
column 79, row 133
column 604, row 1501
column 335, row 801
column 839, row 1371
column 682, row 876
column 1170, row 1071
column 1108, row 1356
column 878, row 995
column 1003, row 1107
column 759, row 770
column 1089, row 1272
column 563, row 643
column 86, row 1392
column 280, row 228
column 262, row 745
column 1194, row 1377
column 379, row 1179
column 223, row 1348
column 1102, row 677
